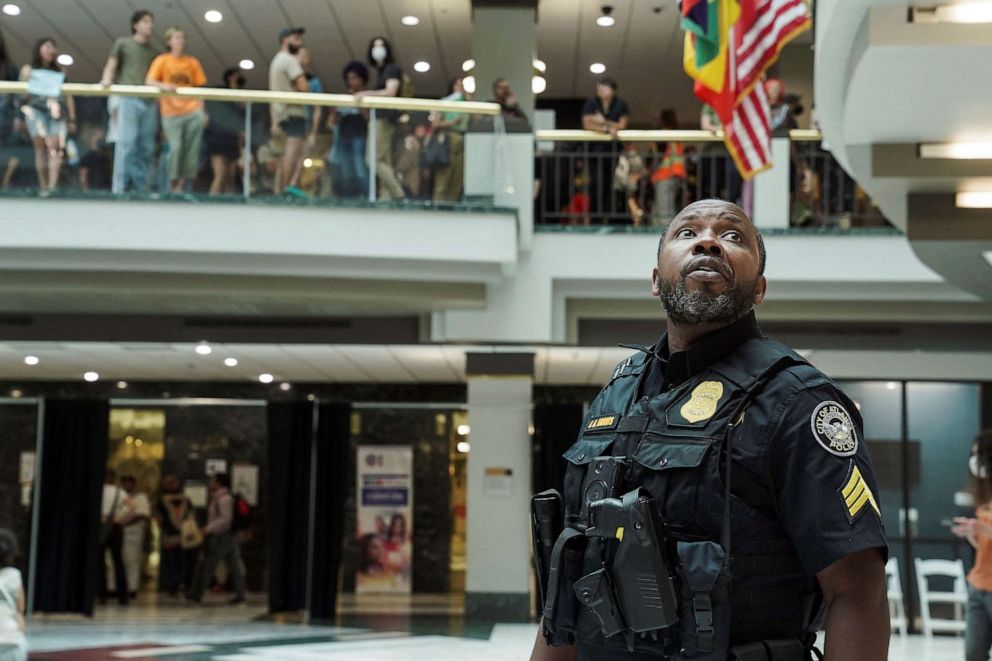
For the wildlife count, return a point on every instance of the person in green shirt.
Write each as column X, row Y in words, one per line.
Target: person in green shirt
column 137, row 119
column 451, row 126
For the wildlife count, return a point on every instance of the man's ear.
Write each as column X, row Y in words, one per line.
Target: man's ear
column 655, row 282
column 760, row 290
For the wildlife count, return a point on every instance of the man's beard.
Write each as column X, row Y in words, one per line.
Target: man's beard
column 686, row 308
column 293, row 50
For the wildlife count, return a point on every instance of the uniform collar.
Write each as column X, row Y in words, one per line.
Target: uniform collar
column 682, row 365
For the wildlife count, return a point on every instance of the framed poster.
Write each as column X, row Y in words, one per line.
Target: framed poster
column 384, row 518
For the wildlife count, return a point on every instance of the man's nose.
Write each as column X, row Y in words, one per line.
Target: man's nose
column 706, row 244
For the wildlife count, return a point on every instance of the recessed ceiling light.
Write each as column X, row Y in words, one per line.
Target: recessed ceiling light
column 961, row 12
column 597, row 68
column 213, row 16
column 246, row 64
column 91, row 377
column 978, row 199
column 540, row 65
column 468, row 65
column 31, row 360
column 308, row 162
column 65, row 60
column 421, row 66
column 410, row 20
column 285, row 386
column 16, row 393
column 11, row 9
column 962, row 150
column 463, row 446
column 265, row 377
column 538, row 84
column 231, row 362
column 463, row 430
column 121, row 385
column 891, row 385
column 606, row 21
column 468, row 84
column 204, row 349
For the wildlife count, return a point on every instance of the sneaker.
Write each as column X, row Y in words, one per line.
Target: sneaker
column 293, row 191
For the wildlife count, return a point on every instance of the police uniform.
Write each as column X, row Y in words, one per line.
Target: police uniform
column 802, row 492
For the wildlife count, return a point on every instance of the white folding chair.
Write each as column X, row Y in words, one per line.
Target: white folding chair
column 897, row 609
column 958, row 596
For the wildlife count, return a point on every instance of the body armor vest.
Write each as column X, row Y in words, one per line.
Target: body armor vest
column 729, row 586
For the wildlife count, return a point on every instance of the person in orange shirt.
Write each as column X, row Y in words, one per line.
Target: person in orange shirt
column 182, row 119
column 978, row 532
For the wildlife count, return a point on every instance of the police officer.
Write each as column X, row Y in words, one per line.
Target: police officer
column 761, row 549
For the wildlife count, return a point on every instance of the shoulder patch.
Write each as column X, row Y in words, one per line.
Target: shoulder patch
column 857, row 495
column 834, row 429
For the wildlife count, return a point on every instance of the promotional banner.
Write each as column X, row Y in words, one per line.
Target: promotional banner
column 384, row 518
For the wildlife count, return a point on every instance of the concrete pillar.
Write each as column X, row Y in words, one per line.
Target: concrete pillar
column 497, row 582
column 771, row 189
column 504, row 41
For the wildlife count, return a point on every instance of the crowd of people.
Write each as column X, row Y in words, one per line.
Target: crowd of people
column 191, row 546
column 178, row 145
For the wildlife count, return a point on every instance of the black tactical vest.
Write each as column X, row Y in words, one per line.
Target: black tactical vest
column 676, row 444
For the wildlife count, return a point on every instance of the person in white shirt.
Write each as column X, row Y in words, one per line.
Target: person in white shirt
column 112, row 538
column 220, row 541
column 13, row 646
column 132, row 516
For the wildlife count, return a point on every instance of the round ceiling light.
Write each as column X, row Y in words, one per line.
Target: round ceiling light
column 606, row 21
column 122, row 385
column 265, row 377
column 11, row 9
column 204, row 349
column 213, row 16
column 410, row 21
column 597, row 68
column 540, row 65
column 468, row 84
column 422, row 66
column 65, row 60
column 91, row 377
column 31, row 360
column 231, row 362
column 246, row 64
column 468, row 65
column 285, row 386
column 538, row 84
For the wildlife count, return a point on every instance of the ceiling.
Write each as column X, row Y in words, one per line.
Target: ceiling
column 643, row 51
column 304, row 363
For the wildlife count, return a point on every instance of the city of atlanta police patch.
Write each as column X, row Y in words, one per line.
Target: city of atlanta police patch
column 834, row 430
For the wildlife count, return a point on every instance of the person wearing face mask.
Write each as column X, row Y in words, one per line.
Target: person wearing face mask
column 389, row 83
column 978, row 531
column 286, row 74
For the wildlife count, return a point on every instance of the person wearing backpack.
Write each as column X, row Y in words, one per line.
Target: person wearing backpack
column 220, row 541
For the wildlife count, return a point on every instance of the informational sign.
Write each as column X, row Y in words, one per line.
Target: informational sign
column 244, row 481
column 498, row 481
column 384, row 518
column 197, row 493
column 215, row 467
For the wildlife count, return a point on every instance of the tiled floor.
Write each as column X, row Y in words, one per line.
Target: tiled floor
column 223, row 633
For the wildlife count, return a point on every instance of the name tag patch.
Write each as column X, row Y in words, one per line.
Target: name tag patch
column 856, row 494
column 603, row 422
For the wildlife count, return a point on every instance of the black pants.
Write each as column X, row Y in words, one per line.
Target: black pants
column 113, row 541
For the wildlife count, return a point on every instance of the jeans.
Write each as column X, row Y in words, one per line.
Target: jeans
column 978, row 635
column 351, row 170
column 226, row 547
column 137, row 127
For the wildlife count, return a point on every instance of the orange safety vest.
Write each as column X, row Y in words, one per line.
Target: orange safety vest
column 672, row 164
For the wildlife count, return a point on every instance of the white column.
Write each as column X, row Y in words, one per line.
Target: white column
column 504, row 40
column 497, row 583
column 771, row 189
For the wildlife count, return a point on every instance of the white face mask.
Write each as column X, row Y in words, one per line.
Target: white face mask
column 976, row 468
column 379, row 53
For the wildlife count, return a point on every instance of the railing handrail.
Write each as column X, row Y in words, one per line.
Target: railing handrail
column 265, row 96
column 638, row 135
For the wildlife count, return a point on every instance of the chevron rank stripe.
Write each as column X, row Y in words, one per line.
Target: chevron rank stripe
column 857, row 495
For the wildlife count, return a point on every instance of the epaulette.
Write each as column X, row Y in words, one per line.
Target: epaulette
column 632, row 365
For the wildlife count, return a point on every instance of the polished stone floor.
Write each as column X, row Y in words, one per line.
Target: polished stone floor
column 242, row 633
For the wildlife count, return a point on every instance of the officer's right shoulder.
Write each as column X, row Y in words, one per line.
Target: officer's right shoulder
column 633, row 365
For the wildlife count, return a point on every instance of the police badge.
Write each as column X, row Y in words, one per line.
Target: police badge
column 834, row 430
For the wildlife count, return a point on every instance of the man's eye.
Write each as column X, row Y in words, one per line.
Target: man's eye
column 733, row 236
column 685, row 232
